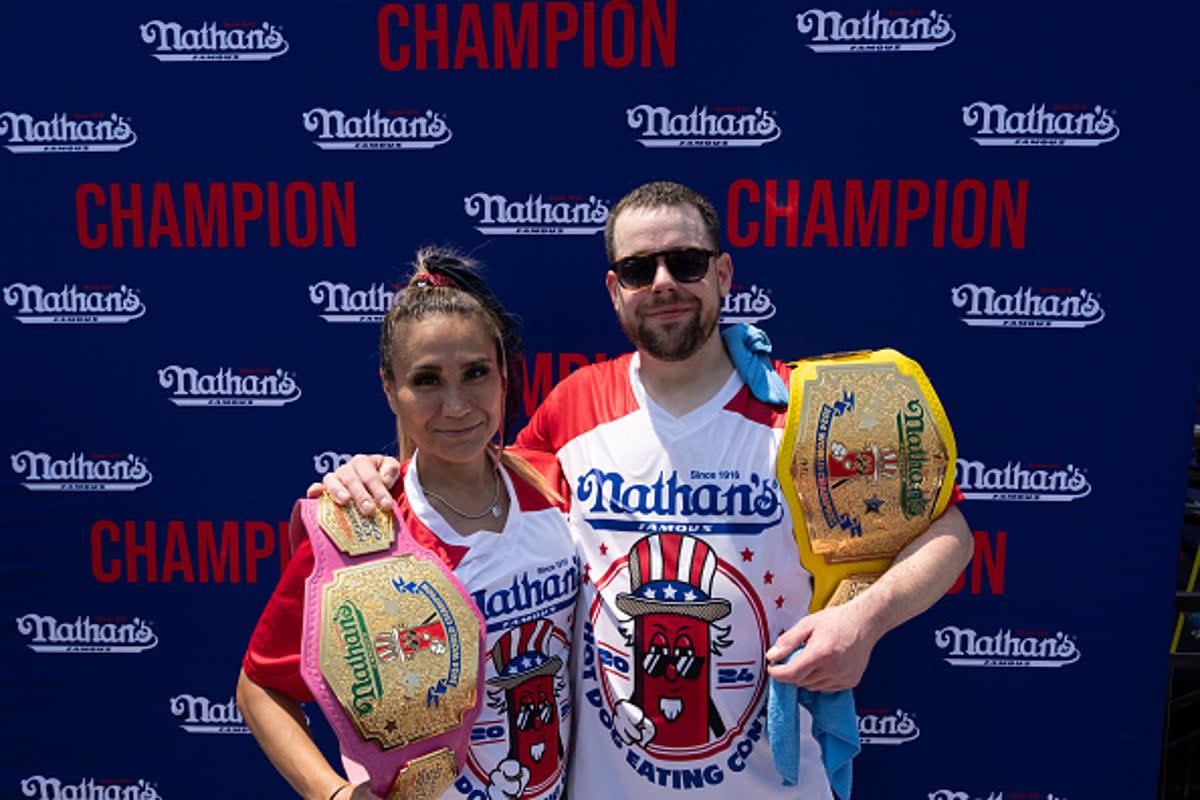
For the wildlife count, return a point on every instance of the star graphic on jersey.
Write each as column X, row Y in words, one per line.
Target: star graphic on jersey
column 648, row 592
column 689, row 595
column 527, row 662
column 768, row 576
column 587, row 573
column 603, row 549
column 669, row 593
column 873, row 505
column 747, row 554
column 779, row 601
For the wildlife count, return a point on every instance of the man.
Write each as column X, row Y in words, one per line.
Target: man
column 694, row 579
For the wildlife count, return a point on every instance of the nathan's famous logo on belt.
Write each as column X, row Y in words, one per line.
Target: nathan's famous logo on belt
column 965, row 647
column 957, row 794
column 408, row 129
column 874, row 31
column 886, row 726
column 65, row 133
column 341, row 303
column 80, row 472
column 984, row 306
column 229, row 387
column 1022, row 482
column 536, row 215
column 212, row 41
column 86, row 635
column 202, row 715
column 747, row 305
column 700, row 502
column 42, row 787
column 72, row 305
column 1059, row 126
column 328, row 461
column 735, row 126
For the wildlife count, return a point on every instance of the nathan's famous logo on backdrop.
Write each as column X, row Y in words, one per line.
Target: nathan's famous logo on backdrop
column 1017, row 482
column 874, row 31
column 1027, row 307
column 734, row 126
column 966, row 647
column 341, row 303
column 73, row 305
column 886, row 726
column 213, row 41
column 199, row 714
column 614, row 34
column 958, row 794
column 965, row 213
column 217, row 214
column 47, row 634
column 408, row 129
column 42, row 787
column 1059, row 126
column 328, row 461
column 175, row 551
column 747, row 304
column 536, row 215
column 259, row 386
column 80, row 472
column 66, row 133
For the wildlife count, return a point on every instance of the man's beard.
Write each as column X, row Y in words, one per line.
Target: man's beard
column 676, row 343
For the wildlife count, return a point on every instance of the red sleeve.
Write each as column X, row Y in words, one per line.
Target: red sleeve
column 272, row 659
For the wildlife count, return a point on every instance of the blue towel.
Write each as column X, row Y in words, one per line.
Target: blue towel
column 750, row 350
column 834, row 726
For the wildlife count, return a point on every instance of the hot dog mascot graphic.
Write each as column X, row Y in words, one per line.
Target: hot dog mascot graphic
column 528, row 685
column 673, row 638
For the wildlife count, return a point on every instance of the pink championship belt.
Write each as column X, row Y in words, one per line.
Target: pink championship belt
column 392, row 649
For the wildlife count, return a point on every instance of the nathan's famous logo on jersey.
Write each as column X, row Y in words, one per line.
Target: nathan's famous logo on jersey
column 965, row 647
column 957, row 794
column 65, row 133
column 1017, row 482
column 874, row 31
column 212, row 41
column 984, row 306
column 86, row 635
column 550, row 590
column 536, row 215
column 80, row 472
column 743, row 304
column 702, row 501
column 328, row 461
column 736, row 126
column 376, row 130
column 880, row 726
column 1059, row 126
column 341, row 303
column 229, row 387
column 42, row 787
column 73, row 305
column 202, row 715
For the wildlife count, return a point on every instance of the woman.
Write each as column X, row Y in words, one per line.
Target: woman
column 450, row 368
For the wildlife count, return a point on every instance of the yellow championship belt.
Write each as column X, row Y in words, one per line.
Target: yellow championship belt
column 866, row 464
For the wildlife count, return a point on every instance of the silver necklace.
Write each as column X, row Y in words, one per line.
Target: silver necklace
column 493, row 507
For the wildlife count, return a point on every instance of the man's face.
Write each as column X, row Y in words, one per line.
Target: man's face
column 668, row 320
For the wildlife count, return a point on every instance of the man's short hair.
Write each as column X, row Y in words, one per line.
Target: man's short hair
column 664, row 193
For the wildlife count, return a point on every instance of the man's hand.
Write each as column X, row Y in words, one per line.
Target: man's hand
column 837, row 647
column 367, row 480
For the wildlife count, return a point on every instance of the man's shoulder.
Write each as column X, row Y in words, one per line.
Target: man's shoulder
column 588, row 397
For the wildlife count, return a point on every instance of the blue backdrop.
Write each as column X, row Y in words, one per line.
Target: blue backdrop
column 205, row 211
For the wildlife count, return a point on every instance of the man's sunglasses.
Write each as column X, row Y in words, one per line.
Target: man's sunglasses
column 686, row 265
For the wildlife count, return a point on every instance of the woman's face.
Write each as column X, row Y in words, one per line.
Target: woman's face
column 447, row 391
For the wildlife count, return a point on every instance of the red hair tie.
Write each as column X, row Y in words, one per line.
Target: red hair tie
column 432, row 279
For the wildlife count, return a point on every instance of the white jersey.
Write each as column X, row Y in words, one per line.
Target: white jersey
column 691, row 572
column 524, row 580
